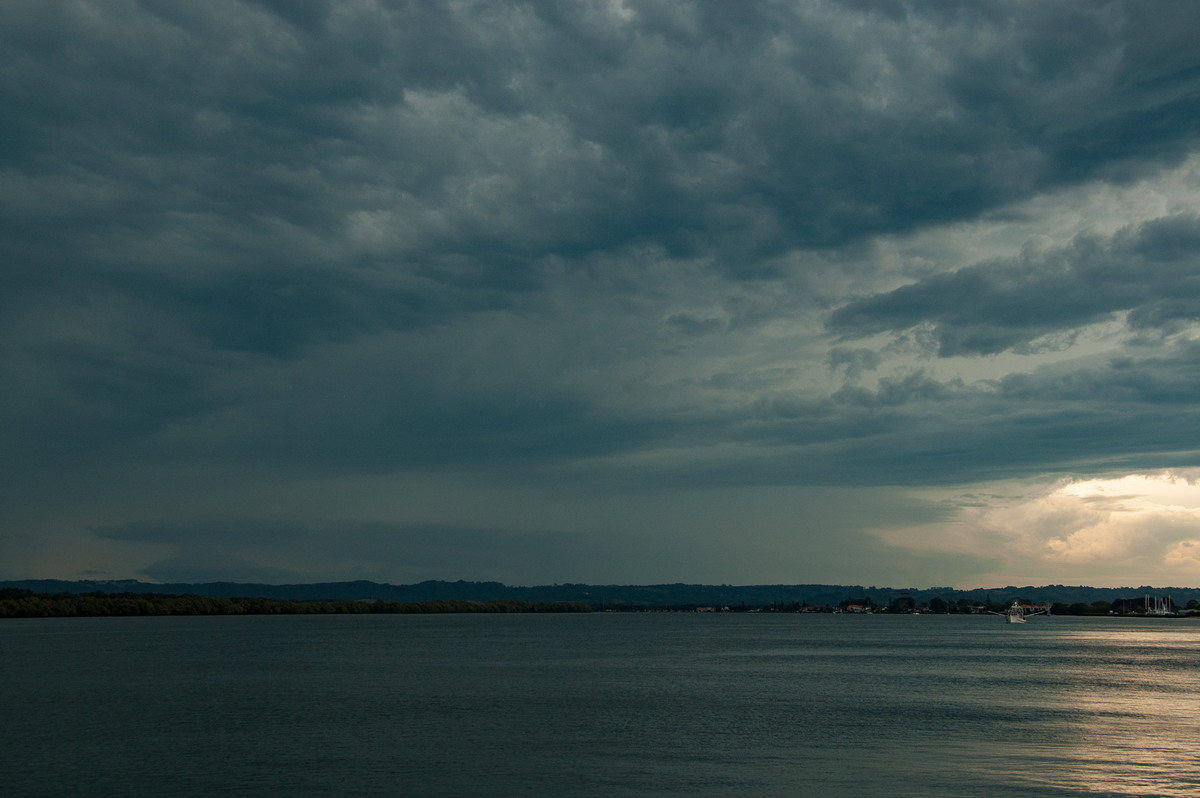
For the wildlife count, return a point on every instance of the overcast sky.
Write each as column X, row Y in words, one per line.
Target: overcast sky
column 612, row 292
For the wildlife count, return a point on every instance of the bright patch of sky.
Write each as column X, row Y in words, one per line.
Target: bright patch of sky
column 1073, row 531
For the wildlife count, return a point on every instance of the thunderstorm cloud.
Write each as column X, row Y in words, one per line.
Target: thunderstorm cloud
column 624, row 291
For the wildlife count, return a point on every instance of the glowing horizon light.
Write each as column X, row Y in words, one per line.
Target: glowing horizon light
column 1146, row 517
column 1135, row 528
column 1163, row 489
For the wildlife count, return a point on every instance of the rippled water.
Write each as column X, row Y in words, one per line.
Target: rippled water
column 601, row 704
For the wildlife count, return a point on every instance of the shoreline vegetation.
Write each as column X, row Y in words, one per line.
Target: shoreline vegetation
column 18, row 603
column 24, row 603
column 615, row 596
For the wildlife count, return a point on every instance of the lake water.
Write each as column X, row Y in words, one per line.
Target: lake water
column 600, row 705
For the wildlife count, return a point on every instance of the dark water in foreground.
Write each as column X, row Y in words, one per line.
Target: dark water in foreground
column 599, row 705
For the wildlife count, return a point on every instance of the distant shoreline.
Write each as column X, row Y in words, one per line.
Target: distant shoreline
column 25, row 603
column 17, row 603
column 624, row 597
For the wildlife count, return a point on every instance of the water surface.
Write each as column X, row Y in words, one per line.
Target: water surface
column 600, row 704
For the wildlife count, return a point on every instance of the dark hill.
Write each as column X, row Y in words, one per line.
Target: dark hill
column 669, row 595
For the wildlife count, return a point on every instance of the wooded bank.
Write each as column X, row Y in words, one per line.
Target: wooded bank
column 16, row 603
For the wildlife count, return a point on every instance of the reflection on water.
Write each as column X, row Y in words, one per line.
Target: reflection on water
column 1136, row 701
column 600, row 705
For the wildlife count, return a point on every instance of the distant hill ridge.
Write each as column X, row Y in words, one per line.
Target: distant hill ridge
column 664, row 595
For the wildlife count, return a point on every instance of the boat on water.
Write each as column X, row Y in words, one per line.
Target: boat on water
column 1018, row 612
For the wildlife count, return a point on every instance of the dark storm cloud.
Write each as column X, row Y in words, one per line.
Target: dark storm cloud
column 855, row 361
column 533, row 128
column 1156, row 381
column 539, row 241
column 280, row 174
column 246, row 549
column 1131, row 412
column 253, row 532
column 492, row 132
column 1151, row 270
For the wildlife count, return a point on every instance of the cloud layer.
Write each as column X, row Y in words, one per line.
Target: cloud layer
column 521, row 262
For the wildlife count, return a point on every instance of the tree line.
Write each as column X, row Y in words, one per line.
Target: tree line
column 624, row 596
column 937, row 605
column 19, row 603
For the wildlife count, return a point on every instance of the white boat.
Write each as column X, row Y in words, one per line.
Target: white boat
column 1018, row 612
